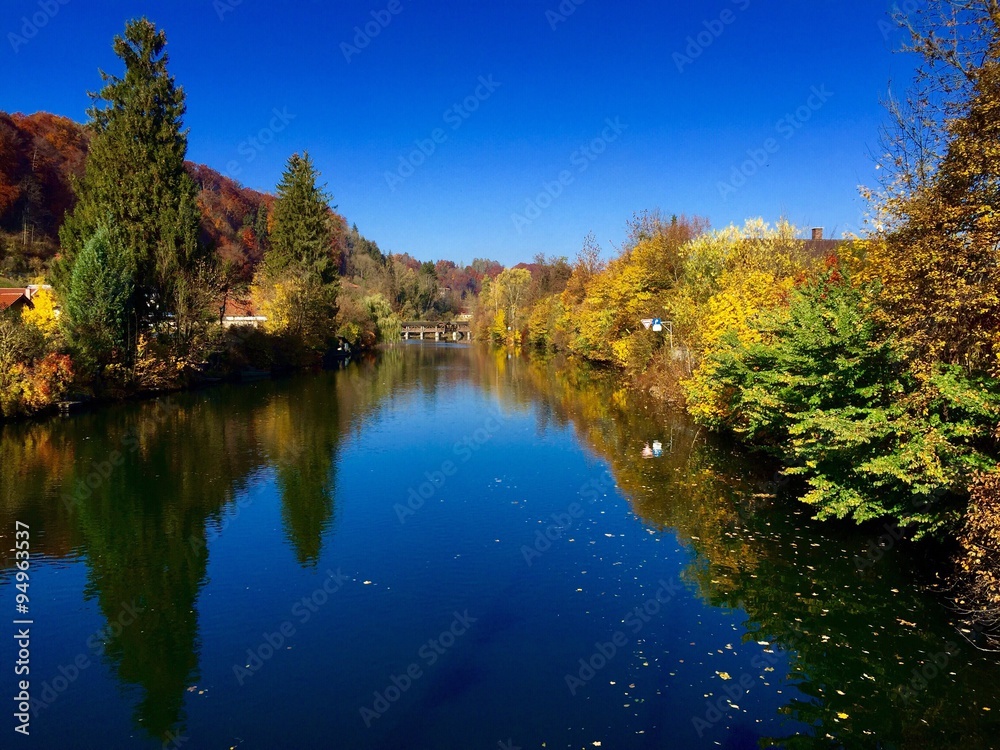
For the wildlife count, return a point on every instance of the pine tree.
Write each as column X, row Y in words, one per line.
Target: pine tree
column 303, row 231
column 135, row 178
column 296, row 286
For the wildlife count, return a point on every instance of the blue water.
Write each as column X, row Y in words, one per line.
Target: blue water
column 443, row 549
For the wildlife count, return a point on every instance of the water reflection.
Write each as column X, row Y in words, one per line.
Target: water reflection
column 138, row 492
column 134, row 491
column 882, row 663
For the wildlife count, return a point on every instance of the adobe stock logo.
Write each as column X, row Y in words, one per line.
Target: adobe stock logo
column 787, row 127
column 562, row 12
column 429, row 654
column 583, row 158
column 454, row 117
column 363, row 36
column 713, row 29
column 899, row 12
column 253, row 145
column 222, row 7
column 30, row 26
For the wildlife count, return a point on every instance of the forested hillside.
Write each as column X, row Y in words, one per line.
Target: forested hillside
column 42, row 154
column 40, row 157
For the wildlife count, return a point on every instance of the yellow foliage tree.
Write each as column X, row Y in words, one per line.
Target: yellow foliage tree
column 44, row 315
column 732, row 262
column 939, row 261
column 498, row 328
column 296, row 303
column 730, row 278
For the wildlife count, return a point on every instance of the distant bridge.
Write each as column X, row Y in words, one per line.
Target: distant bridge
column 437, row 331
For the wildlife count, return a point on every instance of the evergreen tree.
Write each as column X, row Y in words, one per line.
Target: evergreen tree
column 260, row 231
column 296, row 286
column 135, row 178
column 100, row 302
column 303, row 232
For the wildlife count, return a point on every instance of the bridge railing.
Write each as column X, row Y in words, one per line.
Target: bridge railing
column 437, row 329
column 436, row 324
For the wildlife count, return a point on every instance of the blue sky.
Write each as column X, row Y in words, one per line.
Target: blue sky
column 478, row 129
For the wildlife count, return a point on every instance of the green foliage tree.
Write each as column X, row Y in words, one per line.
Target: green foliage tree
column 135, row 178
column 388, row 326
column 302, row 232
column 100, row 303
column 416, row 291
column 827, row 388
column 297, row 285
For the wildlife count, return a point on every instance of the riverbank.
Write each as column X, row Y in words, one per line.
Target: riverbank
column 227, row 355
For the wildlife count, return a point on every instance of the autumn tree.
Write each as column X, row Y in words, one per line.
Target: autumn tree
column 954, row 39
column 938, row 254
column 511, row 286
column 19, row 343
column 135, row 178
column 502, row 305
column 43, row 314
column 549, row 276
column 587, row 264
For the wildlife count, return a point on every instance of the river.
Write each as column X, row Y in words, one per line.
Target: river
column 448, row 548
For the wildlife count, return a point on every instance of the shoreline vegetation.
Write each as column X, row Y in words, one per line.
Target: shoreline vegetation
column 867, row 367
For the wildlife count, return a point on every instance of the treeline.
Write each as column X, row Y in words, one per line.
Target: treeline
column 147, row 252
column 868, row 368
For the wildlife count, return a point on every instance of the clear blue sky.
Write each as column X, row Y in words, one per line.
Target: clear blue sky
column 688, row 123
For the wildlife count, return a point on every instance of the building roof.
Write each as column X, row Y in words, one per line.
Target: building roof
column 239, row 308
column 15, row 297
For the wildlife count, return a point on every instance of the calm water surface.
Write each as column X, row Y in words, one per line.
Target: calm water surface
column 446, row 548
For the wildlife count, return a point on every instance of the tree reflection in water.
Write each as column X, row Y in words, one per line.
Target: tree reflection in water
column 855, row 634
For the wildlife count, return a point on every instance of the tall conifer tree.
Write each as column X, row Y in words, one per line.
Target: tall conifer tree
column 135, row 178
column 303, row 232
column 296, row 286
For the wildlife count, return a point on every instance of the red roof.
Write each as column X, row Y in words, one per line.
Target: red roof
column 11, row 297
column 238, row 308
